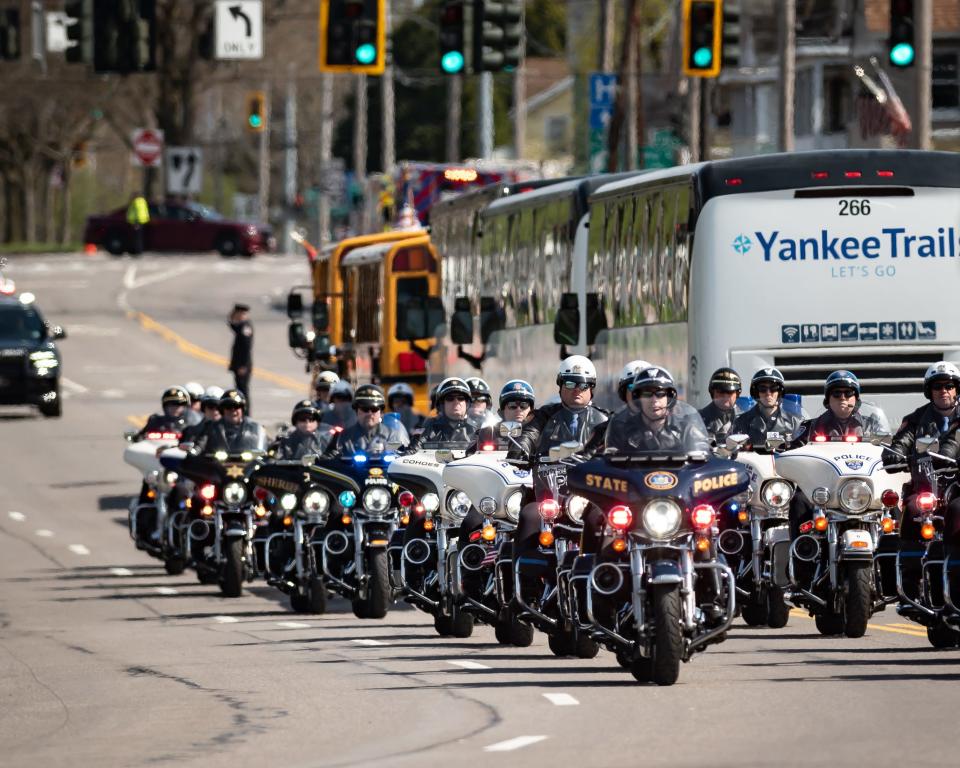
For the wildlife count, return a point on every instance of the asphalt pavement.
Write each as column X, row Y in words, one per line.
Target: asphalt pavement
column 105, row 660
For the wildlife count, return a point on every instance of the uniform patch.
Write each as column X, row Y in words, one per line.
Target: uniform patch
column 660, row 481
column 376, row 472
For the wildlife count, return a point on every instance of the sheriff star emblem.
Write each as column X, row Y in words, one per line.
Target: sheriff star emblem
column 235, row 471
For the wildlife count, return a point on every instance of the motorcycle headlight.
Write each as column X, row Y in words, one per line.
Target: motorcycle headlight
column 514, row 502
column 234, row 493
column 776, row 493
column 855, row 495
column 488, row 505
column 458, row 504
column 347, row 499
column 431, row 502
column 288, row 502
column 661, row 518
column 576, row 506
column 315, row 502
column 376, row 500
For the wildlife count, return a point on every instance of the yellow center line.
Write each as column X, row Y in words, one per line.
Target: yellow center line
column 912, row 631
column 137, row 421
column 193, row 350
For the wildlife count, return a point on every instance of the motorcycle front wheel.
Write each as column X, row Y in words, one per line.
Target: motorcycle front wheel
column 313, row 601
column 174, row 565
column 778, row 612
column 941, row 636
column 231, row 578
column 668, row 643
column 858, row 601
column 377, row 601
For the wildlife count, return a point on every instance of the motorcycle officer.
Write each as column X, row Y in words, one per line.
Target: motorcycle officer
column 480, row 400
column 451, row 424
column 341, row 413
column 306, row 438
column 767, row 387
column 194, row 414
column 517, row 401
column 720, row 413
column 209, row 409
column 400, row 402
column 370, row 432
column 626, row 379
column 939, row 418
column 174, row 401
column 841, row 419
column 574, row 418
column 321, row 387
column 234, row 432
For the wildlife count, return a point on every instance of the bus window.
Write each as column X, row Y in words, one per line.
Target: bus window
column 411, row 293
column 368, row 292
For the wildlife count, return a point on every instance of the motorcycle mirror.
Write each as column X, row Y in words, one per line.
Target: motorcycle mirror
column 698, row 455
column 394, row 445
column 736, row 442
column 881, row 439
column 927, row 445
column 129, row 434
column 443, row 456
column 308, row 460
column 511, row 428
column 565, row 450
column 774, row 440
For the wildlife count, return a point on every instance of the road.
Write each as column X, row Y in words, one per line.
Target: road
column 106, row 660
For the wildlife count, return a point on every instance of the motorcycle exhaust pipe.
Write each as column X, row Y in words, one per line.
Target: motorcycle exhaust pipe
column 416, row 551
column 607, row 579
column 805, row 548
column 336, row 543
column 472, row 557
column 199, row 530
column 731, row 542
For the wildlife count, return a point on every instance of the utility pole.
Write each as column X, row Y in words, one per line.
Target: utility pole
column 326, row 154
column 360, row 129
column 290, row 159
column 486, row 115
column 454, row 110
column 706, row 117
column 693, row 112
column 924, row 73
column 388, row 140
column 632, row 43
column 788, row 72
column 622, row 116
column 520, row 97
column 263, row 200
column 608, row 20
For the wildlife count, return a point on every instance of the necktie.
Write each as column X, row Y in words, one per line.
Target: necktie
column 945, row 424
column 573, row 424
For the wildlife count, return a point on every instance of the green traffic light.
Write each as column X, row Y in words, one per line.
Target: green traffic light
column 255, row 121
column 702, row 57
column 366, row 53
column 452, row 62
column 901, row 55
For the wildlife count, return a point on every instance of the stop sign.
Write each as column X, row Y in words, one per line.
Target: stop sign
column 147, row 147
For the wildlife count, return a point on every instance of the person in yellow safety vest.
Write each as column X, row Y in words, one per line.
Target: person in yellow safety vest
column 138, row 215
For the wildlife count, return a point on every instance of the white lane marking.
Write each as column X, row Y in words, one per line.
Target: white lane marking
column 511, row 744
column 226, row 619
column 293, row 625
column 72, row 386
column 18, row 516
column 365, row 641
column 561, row 699
column 121, row 572
column 92, row 330
column 44, row 533
column 166, row 590
column 113, row 394
column 131, row 283
column 78, row 549
column 469, row 665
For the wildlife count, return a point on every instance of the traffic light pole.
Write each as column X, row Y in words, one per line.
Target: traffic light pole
column 290, row 158
column 263, row 195
column 924, row 72
column 454, row 110
column 360, row 130
column 788, row 73
column 326, row 153
column 486, row 115
column 388, row 141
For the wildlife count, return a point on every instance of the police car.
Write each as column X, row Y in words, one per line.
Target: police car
column 29, row 360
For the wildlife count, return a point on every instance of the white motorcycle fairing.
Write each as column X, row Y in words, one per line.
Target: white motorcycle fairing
column 486, row 474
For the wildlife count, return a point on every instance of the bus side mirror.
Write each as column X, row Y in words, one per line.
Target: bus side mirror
column 491, row 318
column 461, row 321
column 566, row 325
column 321, row 316
column 596, row 317
column 296, row 338
column 294, row 305
column 436, row 317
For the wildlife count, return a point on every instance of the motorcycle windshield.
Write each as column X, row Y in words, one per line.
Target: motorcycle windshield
column 651, row 431
column 875, row 421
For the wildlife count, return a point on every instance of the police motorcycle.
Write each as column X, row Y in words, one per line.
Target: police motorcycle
column 655, row 592
column 754, row 536
column 935, row 606
column 364, row 514
column 154, row 527
column 478, row 566
column 834, row 570
column 226, row 518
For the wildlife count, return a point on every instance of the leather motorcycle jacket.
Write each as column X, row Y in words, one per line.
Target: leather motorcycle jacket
column 191, row 432
column 718, row 421
column 555, row 424
column 926, row 421
column 756, row 425
column 412, row 421
column 356, row 439
column 630, row 432
column 340, row 415
column 297, row 444
column 828, row 425
column 440, row 429
column 160, row 422
column 215, row 436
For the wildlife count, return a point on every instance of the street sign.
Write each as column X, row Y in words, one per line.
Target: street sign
column 603, row 96
column 184, row 170
column 239, row 29
column 147, row 147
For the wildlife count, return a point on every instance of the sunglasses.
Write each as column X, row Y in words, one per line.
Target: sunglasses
column 365, row 409
column 581, row 386
column 455, row 399
column 650, row 394
column 765, row 390
column 517, row 405
column 944, row 386
column 843, row 394
column 301, row 419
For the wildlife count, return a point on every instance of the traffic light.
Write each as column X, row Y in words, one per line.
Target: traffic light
column 79, row 31
column 900, row 47
column 497, row 31
column 455, row 24
column 124, row 36
column 10, row 34
column 731, row 35
column 353, row 36
column 702, row 37
column 256, row 111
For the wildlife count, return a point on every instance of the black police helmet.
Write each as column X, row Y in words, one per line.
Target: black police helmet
column 369, row 396
column 233, row 398
column 767, row 376
column 725, row 380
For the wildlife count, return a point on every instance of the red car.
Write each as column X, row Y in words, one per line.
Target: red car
column 179, row 227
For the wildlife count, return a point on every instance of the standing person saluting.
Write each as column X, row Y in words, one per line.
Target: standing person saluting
column 241, row 355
